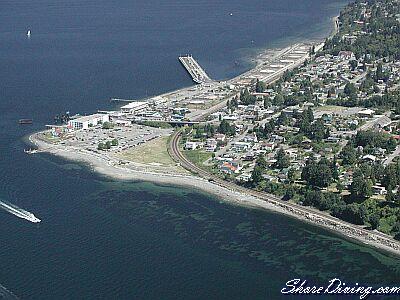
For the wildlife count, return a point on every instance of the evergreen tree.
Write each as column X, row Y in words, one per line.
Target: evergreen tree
column 260, row 86
column 291, row 175
column 256, row 175
column 334, row 169
column 379, row 72
column 226, row 128
column 374, row 221
column 349, row 154
column 282, row 159
column 258, row 171
column 361, row 187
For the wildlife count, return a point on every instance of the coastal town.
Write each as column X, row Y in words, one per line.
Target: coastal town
column 315, row 125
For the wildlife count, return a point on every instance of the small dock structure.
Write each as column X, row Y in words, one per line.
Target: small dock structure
column 195, row 70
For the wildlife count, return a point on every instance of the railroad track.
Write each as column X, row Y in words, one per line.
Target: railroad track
column 309, row 213
column 312, row 215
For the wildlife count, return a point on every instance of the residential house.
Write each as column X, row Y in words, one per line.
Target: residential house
column 232, row 167
column 193, row 145
column 211, row 145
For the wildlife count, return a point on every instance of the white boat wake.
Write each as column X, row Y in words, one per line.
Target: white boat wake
column 6, row 294
column 19, row 212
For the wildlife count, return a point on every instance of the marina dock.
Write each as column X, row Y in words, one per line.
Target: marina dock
column 195, row 70
column 121, row 100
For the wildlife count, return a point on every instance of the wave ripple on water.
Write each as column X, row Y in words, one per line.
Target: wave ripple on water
column 6, row 294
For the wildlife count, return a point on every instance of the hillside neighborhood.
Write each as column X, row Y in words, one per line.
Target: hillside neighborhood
column 326, row 134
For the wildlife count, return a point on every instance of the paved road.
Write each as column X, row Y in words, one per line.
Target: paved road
column 376, row 121
column 199, row 115
column 392, row 156
column 358, row 78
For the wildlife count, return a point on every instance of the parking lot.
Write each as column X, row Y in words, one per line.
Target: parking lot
column 127, row 137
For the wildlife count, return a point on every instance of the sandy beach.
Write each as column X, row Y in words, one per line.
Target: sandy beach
column 111, row 167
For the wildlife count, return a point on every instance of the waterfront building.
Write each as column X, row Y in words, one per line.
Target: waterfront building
column 88, row 121
column 134, row 107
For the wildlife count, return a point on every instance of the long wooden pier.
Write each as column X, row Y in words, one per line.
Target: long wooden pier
column 196, row 72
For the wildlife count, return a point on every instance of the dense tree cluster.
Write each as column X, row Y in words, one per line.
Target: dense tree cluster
column 107, row 145
column 266, row 131
column 260, row 86
column 232, row 104
column 353, row 213
column 361, row 187
column 370, row 140
column 383, row 31
column 390, row 100
column 205, row 131
column 226, row 128
column 391, row 176
column 282, row 159
column 319, row 174
column 322, row 201
column 349, row 155
column 246, row 98
column 258, row 171
column 108, row 125
column 313, row 129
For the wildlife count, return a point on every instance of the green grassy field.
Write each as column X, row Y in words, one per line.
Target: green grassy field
column 153, row 153
column 198, row 157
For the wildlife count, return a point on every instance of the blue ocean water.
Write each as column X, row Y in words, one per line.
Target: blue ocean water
column 101, row 239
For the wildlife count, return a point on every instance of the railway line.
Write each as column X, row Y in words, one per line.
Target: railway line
column 312, row 215
column 309, row 214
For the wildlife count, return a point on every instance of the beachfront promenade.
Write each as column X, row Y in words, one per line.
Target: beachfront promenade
column 195, row 70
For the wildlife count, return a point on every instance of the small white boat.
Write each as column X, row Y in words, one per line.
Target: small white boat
column 19, row 212
column 30, row 151
column 28, row 33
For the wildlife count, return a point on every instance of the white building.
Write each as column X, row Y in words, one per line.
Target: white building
column 211, row 145
column 220, row 137
column 379, row 190
column 158, row 100
column 134, row 107
column 366, row 113
column 122, row 122
column 88, row 121
column 193, row 145
column 230, row 118
column 244, row 177
column 241, row 146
